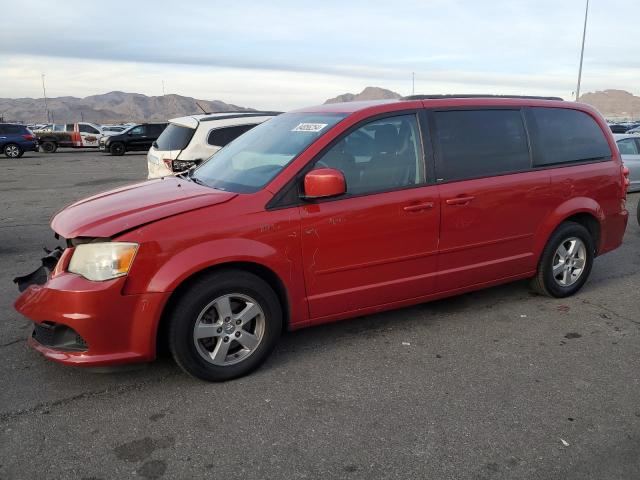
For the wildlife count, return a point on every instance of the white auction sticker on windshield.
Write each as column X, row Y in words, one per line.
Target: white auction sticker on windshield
column 309, row 127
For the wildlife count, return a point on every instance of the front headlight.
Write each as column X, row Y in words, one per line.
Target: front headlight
column 103, row 261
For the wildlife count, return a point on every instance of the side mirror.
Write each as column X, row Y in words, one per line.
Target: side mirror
column 323, row 183
column 129, row 133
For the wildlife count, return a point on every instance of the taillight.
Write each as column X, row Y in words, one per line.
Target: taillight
column 625, row 181
column 28, row 136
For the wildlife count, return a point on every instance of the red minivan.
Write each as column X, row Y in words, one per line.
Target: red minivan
column 327, row 213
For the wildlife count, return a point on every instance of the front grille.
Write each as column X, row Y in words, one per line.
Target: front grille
column 59, row 337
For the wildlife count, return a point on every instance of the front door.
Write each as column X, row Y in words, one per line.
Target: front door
column 138, row 138
column 90, row 135
column 376, row 244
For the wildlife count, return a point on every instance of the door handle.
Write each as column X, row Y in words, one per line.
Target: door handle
column 418, row 207
column 460, row 200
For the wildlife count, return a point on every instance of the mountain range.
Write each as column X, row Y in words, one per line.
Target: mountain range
column 112, row 107
column 115, row 107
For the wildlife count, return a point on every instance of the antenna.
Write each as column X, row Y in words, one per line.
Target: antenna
column 200, row 107
column 46, row 107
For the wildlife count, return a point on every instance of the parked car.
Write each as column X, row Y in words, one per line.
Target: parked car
column 137, row 138
column 70, row 135
column 617, row 128
column 629, row 146
column 16, row 139
column 327, row 213
column 189, row 141
column 634, row 130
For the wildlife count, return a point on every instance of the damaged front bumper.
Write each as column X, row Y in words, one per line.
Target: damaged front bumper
column 42, row 273
column 83, row 322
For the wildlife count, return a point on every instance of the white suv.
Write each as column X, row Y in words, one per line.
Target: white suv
column 189, row 141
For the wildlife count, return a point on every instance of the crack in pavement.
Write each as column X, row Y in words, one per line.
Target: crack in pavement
column 45, row 406
column 13, row 342
column 611, row 311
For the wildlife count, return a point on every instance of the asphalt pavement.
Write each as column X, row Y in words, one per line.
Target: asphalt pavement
column 496, row 384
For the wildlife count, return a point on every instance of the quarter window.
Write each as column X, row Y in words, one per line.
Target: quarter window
column 480, row 143
column 628, row 146
column 382, row 155
column 563, row 135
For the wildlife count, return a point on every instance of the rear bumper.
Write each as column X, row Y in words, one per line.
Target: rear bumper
column 116, row 328
column 612, row 231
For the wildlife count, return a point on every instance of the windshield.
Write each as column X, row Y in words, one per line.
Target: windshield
column 252, row 160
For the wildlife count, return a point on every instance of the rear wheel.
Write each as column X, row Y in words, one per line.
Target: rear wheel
column 224, row 325
column 565, row 262
column 117, row 149
column 48, row 147
column 12, row 150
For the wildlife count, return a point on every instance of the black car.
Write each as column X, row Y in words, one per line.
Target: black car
column 615, row 128
column 136, row 138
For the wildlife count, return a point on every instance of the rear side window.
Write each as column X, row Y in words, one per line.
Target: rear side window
column 69, row 127
column 562, row 135
column 220, row 137
column 155, row 129
column 480, row 143
column 14, row 129
column 628, row 146
column 174, row 137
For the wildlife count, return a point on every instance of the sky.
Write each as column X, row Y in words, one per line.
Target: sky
column 282, row 54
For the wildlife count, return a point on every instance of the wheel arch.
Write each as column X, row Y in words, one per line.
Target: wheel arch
column 258, row 269
column 584, row 211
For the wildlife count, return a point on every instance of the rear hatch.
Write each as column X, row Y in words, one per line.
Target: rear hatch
column 172, row 141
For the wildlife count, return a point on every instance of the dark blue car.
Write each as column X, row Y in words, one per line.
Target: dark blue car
column 16, row 139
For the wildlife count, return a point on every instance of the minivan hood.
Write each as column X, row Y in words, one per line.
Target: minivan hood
column 115, row 211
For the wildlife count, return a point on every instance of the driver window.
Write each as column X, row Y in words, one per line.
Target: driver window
column 382, row 155
column 87, row 129
column 139, row 130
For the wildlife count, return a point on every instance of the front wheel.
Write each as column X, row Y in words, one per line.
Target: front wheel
column 117, row 149
column 565, row 262
column 224, row 325
column 13, row 151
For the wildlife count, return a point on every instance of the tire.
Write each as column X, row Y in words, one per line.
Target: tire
column 49, row 147
column 201, row 308
column 11, row 150
column 571, row 276
column 118, row 149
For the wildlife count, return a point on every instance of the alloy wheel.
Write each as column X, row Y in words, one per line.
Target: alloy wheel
column 229, row 329
column 569, row 261
column 12, row 151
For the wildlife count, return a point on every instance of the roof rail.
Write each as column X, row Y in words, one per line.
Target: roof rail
column 435, row 97
column 242, row 114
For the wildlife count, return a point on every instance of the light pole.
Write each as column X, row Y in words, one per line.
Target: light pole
column 584, row 34
column 44, row 91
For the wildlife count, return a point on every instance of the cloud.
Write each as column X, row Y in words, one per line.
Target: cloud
column 260, row 49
